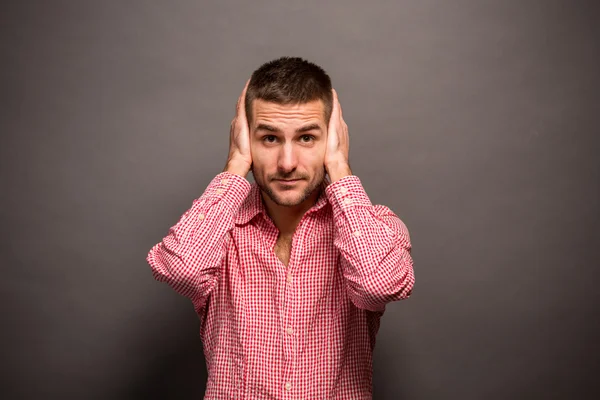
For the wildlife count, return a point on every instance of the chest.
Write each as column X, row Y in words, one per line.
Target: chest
column 283, row 249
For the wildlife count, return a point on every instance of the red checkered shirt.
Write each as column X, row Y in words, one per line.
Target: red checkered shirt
column 305, row 331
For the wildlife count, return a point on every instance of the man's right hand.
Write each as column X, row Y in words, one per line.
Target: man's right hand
column 239, row 161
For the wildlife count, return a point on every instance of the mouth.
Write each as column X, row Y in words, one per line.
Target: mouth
column 288, row 181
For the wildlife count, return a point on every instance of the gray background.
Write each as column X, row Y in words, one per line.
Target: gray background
column 477, row 122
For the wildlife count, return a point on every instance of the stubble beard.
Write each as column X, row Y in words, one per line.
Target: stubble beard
column 284, row 203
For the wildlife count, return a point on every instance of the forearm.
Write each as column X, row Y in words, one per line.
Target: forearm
column 190, row 257
column 374, row 245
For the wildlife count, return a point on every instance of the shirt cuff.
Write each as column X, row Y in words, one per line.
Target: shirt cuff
column 229, row 188
column 345, row 193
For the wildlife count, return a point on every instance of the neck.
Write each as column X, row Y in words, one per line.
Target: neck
column 287, row 218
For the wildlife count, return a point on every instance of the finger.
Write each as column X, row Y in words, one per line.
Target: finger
column 242, row 101
column 242, row 97
column 339, row 105
column 335, row 109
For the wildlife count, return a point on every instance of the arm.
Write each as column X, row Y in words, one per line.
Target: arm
column 374, row 245
column 190, row 258
column 373, row 242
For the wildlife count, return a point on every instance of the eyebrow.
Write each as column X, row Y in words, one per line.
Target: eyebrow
column 270, row 128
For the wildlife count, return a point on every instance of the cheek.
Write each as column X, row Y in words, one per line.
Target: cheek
column 255, row 152
column 318, row 152
column 314, row 159
column 260, row 159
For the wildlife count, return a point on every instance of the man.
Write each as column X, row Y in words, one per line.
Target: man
column 290, row 275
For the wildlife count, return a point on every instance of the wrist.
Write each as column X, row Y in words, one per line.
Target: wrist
column 338, row 170
column 238, row 168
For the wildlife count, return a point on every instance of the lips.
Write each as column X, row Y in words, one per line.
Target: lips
column 289, row 181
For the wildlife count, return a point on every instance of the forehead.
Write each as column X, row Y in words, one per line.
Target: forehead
column 269, row 112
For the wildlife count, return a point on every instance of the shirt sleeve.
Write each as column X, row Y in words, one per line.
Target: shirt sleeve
column 374, row 245
column 190, row 258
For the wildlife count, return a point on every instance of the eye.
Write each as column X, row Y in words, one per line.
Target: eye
column 309, row 137
column 268, row 137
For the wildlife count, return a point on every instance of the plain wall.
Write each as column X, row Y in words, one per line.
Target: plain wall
column 477, row 122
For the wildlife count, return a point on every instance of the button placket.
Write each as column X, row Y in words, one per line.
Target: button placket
column 291, row 342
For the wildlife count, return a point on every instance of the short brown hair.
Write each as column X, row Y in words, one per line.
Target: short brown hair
column 289, row 80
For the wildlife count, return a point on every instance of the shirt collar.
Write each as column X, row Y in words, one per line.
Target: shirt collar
column 254, row 205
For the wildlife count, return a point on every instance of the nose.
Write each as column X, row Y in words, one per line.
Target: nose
column 288, row 161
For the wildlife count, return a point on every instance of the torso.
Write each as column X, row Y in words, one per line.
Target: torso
column 283, row 249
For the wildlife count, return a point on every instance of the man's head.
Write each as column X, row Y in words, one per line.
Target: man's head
column 288, row 106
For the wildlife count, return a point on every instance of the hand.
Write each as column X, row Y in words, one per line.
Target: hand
column 239, row 160
column 338, row 143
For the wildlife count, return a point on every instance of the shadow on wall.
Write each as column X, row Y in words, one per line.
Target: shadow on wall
column 177, row 369
column 387, row 370
column 393, row 373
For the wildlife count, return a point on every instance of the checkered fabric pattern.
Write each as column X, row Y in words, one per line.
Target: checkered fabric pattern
column 305, row 331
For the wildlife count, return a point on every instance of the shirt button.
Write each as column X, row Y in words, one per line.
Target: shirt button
column 224, row 181
column 289, row 277
column 288, row 385
column 289, row 331
column 201, row 217
column 357, row 233
column 344, row 190
column 347, row 200
column 219, row 191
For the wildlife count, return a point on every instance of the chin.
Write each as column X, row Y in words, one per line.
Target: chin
column 287, row 203
column 286, row 198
